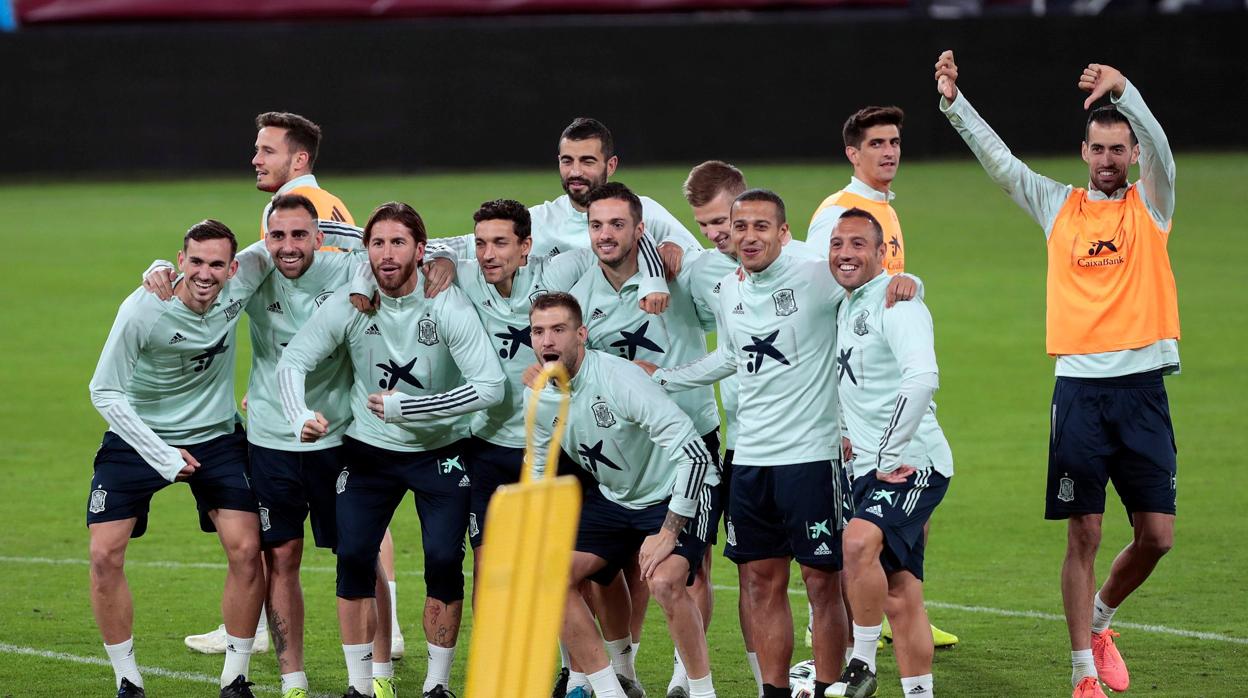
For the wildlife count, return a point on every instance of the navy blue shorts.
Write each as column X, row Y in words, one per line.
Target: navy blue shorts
column 1115, row 429
column 615, row 533
column 490, row 466
column 123, row 483
column 901, row 511
column 371, row 486
column 786, row 511
column 289, row 486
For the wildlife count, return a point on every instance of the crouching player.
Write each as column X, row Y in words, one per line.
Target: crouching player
column 886, row 374
column 655, row 499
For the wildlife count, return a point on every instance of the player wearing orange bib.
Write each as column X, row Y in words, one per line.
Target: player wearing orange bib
column 872, row 138
column 286, row 148
column 1113, row 324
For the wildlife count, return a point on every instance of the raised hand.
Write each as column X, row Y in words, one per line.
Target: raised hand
column 947, row 76
column 1097, row 80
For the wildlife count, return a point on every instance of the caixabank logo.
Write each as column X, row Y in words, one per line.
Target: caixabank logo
column 1093, row 251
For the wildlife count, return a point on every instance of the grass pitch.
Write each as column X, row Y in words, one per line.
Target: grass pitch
column 73, row 251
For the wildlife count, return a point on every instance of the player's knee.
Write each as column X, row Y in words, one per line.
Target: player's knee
column 667, row 588
column 284, row 560
column 243, row 554
column 107, row 557
column 823, row 588
column 1156, row 543
column 859, row 548
column 1084, row 534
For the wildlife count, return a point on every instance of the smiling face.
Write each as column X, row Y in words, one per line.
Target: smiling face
column 613, row 232
column 876, row 158
column 715, row 221
column 757, row 233
column 500, row 252
column 292, row 241
column 393, row 253
column 557, row 336
column 582, row 167
column 1109, row 154
column 206, row 265
column 856, row 252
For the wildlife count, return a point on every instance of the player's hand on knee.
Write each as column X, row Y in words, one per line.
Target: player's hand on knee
column 189, row 469
column 901, row 288
column 159, row 282
column 672, row 256
column 364, row 304
column 655, row 303
column 314, row 429
column 654, row 550
column 947, row 76
column 377, row 404
column 439, row 273
column 1097, row 80
column 895, row 476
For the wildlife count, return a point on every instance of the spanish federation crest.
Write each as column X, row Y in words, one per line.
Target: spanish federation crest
column 97, row 501
column 537, row 294
column 860, row 323
column 233, row 309
column 265, row 524
column 602, row 415
column 427, row 332
column 323, row 297
column 1066, row 490
column 786, row 304
column 341, row 485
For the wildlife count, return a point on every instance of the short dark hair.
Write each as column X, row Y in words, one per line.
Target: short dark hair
column 616, row 190
column 707, row 180
column 558, row 299
column 401, row 213
column 210, row 229
column 301, row 133
column 506, row 210
column 584, row 128
column 762, row 195
column 1107, row 115
column 291, row 202
column 857, row 124
column 865, row 215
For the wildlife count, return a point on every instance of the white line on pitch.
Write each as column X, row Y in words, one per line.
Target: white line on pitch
column 1040, row 615
column 1005, row 612
column 6, row 648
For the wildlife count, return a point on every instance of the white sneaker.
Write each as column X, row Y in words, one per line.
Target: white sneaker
column 396, row 646
column 214, row 642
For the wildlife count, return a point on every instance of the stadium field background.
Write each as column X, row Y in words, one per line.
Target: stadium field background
column 73, row 251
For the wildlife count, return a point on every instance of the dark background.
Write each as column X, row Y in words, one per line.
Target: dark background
column 439, row 93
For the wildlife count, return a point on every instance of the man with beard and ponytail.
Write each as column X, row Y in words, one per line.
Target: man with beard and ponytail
column 419, row 366
column 1113, row 324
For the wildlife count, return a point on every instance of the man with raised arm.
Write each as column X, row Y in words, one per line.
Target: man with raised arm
column 655, row 498
column 419, row 366
column 1112, row 323
column 165, row 385
column 901, row 465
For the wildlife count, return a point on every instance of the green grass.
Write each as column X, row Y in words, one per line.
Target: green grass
column 72, row 252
